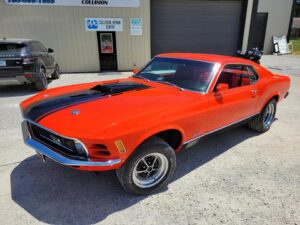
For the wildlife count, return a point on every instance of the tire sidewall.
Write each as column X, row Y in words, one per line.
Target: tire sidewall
column 42, row 83
column 56, row 74
column 130, row 165
column 274, row 102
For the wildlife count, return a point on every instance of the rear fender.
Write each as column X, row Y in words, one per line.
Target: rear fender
column 274, row 94
column 276, row 86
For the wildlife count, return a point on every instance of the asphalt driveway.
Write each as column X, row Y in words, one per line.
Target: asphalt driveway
column 238, row 177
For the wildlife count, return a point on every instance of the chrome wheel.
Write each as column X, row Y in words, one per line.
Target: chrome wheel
column 269, row 115
column 150, row 170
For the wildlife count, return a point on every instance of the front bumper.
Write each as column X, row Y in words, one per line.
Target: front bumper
column 48, row 153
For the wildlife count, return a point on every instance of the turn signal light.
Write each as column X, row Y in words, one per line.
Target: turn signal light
column 120, row 146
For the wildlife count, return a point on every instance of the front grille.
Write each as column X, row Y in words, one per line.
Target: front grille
column 55, row 142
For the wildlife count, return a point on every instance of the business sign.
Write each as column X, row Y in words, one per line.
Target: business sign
column 136, row 26
column 104, row 24
column 91, row 3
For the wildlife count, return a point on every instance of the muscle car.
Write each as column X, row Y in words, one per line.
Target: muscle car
column 137, row 125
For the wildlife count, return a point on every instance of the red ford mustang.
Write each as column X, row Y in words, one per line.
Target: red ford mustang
column 136, row 125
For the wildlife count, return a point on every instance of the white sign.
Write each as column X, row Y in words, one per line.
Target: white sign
column 91, row 3
column 136, row 26
column 104, row 24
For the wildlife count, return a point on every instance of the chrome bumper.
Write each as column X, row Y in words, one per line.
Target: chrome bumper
column 47, row 152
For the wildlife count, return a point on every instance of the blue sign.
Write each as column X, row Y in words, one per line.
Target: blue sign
column 92, row 24
column 104, row 24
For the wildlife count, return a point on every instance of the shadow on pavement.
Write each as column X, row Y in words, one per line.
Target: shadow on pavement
column 58, row 195
column 16, row 90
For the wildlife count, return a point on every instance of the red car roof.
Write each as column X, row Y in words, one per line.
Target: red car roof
column 207, row 57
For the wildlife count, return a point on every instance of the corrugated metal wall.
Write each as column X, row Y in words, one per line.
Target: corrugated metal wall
column 62, row 28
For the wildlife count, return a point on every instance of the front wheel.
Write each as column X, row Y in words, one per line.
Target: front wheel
column 149, row 169
column 56, row 73
column 264, row 120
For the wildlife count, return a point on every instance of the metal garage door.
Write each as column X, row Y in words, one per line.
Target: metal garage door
column 195, row 26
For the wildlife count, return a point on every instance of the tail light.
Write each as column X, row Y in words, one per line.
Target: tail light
column 27, row 60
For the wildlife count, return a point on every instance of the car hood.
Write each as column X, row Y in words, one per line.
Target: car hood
column 96, row 107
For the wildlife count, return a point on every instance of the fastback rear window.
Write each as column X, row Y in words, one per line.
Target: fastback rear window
column 12, row 47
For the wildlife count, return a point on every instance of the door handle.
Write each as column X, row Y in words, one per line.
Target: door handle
column 254, row 92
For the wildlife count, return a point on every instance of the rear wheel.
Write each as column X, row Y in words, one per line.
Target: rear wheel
column 149, row 169
column 42, row 83
column 264, row 120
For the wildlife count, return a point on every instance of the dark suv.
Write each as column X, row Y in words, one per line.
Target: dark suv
column 27, row 61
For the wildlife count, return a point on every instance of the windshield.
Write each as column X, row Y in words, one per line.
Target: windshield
column 188, row 74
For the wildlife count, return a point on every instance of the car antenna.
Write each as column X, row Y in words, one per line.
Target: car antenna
column 4, row 38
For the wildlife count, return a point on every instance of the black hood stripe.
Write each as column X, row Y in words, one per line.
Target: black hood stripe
column 40, row 110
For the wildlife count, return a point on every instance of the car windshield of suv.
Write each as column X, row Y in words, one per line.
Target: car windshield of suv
column 187, row 74
column 12, row 47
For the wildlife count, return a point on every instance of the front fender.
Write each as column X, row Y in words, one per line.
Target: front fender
column 152, row 132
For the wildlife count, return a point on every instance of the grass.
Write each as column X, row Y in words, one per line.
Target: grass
column 296, row 44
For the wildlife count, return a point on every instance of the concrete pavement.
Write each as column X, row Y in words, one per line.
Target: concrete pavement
column 238, row 177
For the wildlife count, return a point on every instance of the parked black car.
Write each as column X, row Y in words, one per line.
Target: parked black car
column 27, row 61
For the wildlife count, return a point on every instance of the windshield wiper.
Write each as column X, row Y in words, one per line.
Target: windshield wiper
column 169, row 83
column 140, row 77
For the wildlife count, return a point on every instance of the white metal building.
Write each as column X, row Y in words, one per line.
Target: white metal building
column 99, row 35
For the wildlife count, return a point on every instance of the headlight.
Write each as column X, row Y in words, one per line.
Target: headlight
column 79, row 148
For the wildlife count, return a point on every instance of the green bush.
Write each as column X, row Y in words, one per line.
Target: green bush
column 296, row 45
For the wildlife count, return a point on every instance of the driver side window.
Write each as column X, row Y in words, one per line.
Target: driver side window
column 237, row 76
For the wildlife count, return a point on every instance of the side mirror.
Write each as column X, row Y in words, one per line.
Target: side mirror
column 50, row 50
column 135, row 71
column 222, row 87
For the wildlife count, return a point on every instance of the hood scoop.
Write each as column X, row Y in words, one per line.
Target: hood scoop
column 41, row 109
column 117, row 88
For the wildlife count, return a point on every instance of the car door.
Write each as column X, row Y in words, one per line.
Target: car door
column 236, row 103
column 48, row 58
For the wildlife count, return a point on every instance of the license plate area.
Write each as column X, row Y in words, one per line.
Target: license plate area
column 2, row 63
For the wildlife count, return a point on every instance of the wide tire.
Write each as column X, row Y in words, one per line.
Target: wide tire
column 42, row 83
column 149, row 169
column 263, row 121
column 56, row 73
